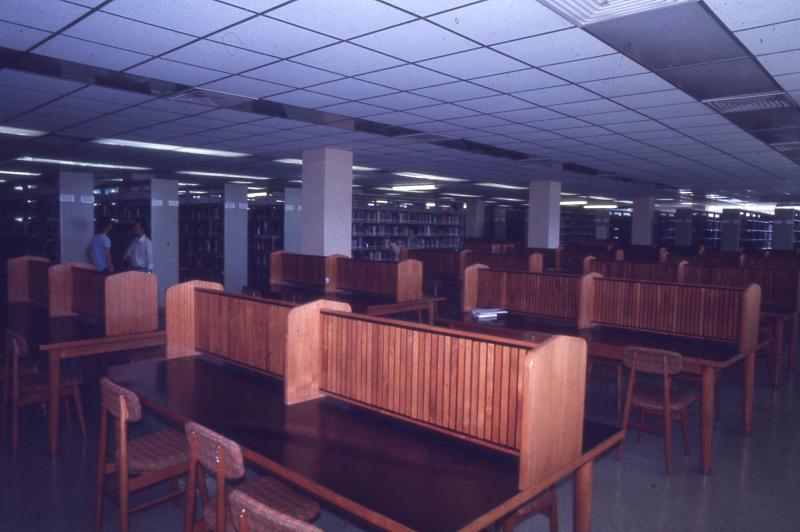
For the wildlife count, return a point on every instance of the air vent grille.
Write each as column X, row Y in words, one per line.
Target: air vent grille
column 787, row 147
column 423, row 137
column 584, row 12
column 751, row 102
column 209, row 98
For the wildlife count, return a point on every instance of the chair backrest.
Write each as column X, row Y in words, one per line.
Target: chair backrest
column 210, row 447
column 111, row 393
column 253, row 515
column 648, row 360
column 16, row 344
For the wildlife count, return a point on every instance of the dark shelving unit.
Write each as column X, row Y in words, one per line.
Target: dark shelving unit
column 265, row 235
column 577, row 225
column 201, row 231
column 29, row 218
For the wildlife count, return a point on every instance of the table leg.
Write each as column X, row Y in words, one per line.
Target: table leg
column 53, row 377
column 582, row 500
column 707, row 419
column 777, row 352
column 431, row 312
column 749, row 384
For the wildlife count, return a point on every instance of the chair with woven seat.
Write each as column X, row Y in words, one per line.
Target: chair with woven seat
column 546, row 503
column 139, row 463
column 252, row 515
column 672, row 404
column 24, row 385
column 213, row 452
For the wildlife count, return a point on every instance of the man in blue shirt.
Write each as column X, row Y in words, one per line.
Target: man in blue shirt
column 98, row 252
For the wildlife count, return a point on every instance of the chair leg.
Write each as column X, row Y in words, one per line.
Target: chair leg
column 553, row 513
column 668, row 441
column 76, row 395
column 626, row 417
column 14, row 427
column 191, row 486
column 685, row 425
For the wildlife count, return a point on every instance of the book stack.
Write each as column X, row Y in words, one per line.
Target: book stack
column 488, row 314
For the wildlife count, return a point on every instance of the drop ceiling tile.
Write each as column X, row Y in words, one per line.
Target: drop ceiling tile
column 354, row 109
column 556, row 124
column 454, row 92
column 167, row 70
column 19, row 37
column 677, row 110
column 206, row 15
column 401, row 101
column 742, row 14
column 415, row 41
column 528, row 115
column 691, row 121
column 607, row 66
column 478, row 121
column 128, row 34
column 557, row 95
column 771, row 39
column 557, row 47
column 324, row 16
column 495, row 104
column 210, row 54
column 654, row 99
column 115, row 96
column 256, row 5
column 89, row 53
column 443, row 111
column 352, row 89
column 428, row 7
column 497, row 21
column 782, row 63
column 243, row 86
column 589, row 107
column 617, row 117
column 347, row 59
column 40, row 14
column 285, row 40
column 37, row 84
column 626, row 85
column 510, row 129
column 302, row 98
column 292, row 74
column 474, row 63
column 396, row 119
column 407, row 77
column 635, row 127
column 790, row 82
column 518, row 81
column 172, row 106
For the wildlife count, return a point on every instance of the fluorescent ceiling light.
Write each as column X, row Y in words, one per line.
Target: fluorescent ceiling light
column 568, row 194
column 500, row 185
column 415, row 175
column 626, row 202
column 457, row 195
column 241, row 182
column 169, row 147
column 430, row 204
column 685, row 192
column 21, row 132
column 300, row 163
column 80, row 163
column 188, row 184
column 24, row 174
column 256, row 188
column 601, row 198
column 508, row 199
column 217, row 174
column 299, row 181
column 573, row 202
column 584, row 12
column 600, row 206
column 413, row 188
column 257, row 194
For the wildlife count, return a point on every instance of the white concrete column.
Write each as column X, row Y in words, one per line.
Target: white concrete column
column 499, row 230
column 475, row 219
column 164, row 233
column 544, row 214
column 235, row 240
column 292, row 216
column 642, row 221
column 76, row 214
column 327, row 221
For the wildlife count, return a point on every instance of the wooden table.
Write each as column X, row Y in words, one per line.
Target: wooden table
column 69, row 337
column 372, row 304
column 700, row 357
column 387, row 472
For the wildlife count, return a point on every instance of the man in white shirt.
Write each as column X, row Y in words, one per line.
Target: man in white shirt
column 140, row 253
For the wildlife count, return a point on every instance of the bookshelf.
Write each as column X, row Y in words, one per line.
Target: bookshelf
column 264, row 235
column 201, row 254
column 577, row 225
column 749, row 230
column 786, row 229
column 377, row 224
column 665, row 227
column 619, row 226
column 706, row 230
column 123, row 203
column 29, row 218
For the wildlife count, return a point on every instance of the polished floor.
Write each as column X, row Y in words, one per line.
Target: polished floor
column 755, row 484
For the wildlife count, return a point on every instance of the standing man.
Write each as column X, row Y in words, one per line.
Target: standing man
column 140, row 253
column 98, row 252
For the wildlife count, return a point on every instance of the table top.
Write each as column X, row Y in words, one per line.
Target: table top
column 699, row 350
column 420, row 478
column 359, row 301
column 33, row 322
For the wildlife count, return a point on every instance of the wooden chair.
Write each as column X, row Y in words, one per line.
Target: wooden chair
column 670, row 404
column 140, row 462
column 23, row 385
column 545, row 503
column 255, row 516
column 209, row 451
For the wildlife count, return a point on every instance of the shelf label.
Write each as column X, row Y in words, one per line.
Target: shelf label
column 157, row 203
column 66, row 198
column 289, row 207
column 87, row 199
column 243, row 206
column 172, row 203
column 230, row 204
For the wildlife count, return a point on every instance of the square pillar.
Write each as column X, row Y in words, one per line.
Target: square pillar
column 499, row 215
column 327, row 199
column 544, row 214
column 164, row 233
column 475, row 219
column 235, row 239
column 642, row 220
column 292, row 214
column 76, row 214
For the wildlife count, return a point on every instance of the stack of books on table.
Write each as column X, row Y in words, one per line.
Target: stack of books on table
column 488, row 313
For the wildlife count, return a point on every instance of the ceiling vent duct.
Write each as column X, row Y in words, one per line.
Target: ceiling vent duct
column 750, row 102
column 423, row 137
column 209, row 98
column 584, row 12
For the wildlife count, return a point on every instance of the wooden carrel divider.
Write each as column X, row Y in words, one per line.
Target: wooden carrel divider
column 642, row 271
column 27, row 279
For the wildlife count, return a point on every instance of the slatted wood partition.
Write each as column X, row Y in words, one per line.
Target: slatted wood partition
column 181, row 329
column 435, row 262
column 642, row 271
column 60, row 287
column 295, row 268
column 401, row 280
column 642, row 253
column 500, row 261
column 27, row 279
column 778, row 287
column 685, row 310
column 776, row 263
column 550, row 257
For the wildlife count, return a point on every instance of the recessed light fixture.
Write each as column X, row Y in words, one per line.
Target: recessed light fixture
column 416, row 175
column 573, row 202
column 508, row 199
column 21, row 132
column 217, row 174
column 458, row 195
column 22, row 174
column 583, row 12
column 501, row 185
column 80, row 163
column 413, row 188
column 569, row 194
column 300, row 163
column 169, row 147
column 430, row 205
column 608, row 206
